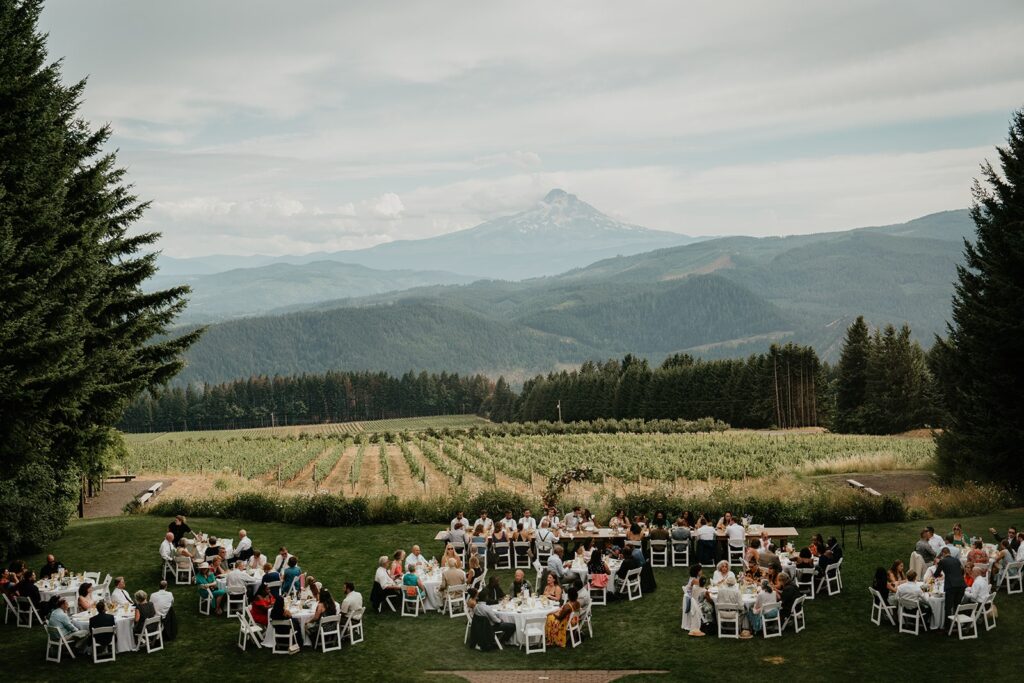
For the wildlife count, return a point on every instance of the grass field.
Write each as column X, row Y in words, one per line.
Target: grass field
column 839, row 644
column 422, row 466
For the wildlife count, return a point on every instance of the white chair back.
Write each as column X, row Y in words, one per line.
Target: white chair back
column 248, row 630
column 284, row 637
column 354, row 626
column 328, row 637
column 104, row 653
column 56, row 644
column 680, row 553
column 152, row 635
column 534, row 634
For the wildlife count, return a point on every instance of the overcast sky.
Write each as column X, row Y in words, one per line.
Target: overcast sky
column 290, row 127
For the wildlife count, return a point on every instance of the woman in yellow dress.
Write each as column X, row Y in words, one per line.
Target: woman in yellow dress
column 557, row 625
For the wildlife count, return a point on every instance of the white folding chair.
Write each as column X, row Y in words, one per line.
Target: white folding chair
column 598, row 595
column 735, row 555
column 521, row 554
column 631, row 585
column 728, row 618
column 10, row 609
column 775, row 620
column 909, row 616
column 460, row 548
column 830, row 581
column 168, row 568
column 534, row 636
column 1012, row 577
column 206, row 600
column 183, row 572
column 539, row 568
column 478, row 582
column 880, row 607
column 102, row 591
column 659, row 553
column 586, row 620
column 284, row 637
column 237, row 600
column 481, row 552
column 805, row 582
column 27, row 613
column 91, row 577
column 574, row 632
column 469, row 627
column 985, row 612
column 680, row 553
column 412, row 604
column 965, row 620
column 248, row 630
column 152, row 635
column 502, row 554
column 56, row 643
column 796, row 616
column 329, row 632
column 455, row 600
column 104, row 653
column 544, row 552
column 353, row 629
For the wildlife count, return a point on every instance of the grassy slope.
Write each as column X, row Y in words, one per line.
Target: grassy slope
column 839, row 643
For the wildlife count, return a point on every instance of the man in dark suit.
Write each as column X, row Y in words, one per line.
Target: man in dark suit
column 51, row 568
column 952, row 572
column 102, row 620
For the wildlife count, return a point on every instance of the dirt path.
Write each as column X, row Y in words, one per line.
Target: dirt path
column 337, row 480
column 111, row 500
column 438, row 483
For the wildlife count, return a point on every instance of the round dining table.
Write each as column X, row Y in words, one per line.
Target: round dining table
column 124, row 625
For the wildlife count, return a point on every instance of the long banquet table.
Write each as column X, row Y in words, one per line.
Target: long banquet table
column 604, row 533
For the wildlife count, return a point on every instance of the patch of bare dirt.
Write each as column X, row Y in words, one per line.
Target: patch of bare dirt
column 899, row 482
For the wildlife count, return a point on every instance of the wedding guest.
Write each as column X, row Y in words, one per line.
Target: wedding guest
column 325, row 607
column 953, row 579
column 519, row 583
column 528, row 522
column 206, row 580
column 291, row 575
column 119, row 596
column 557, row 625
column 59, row 619
column 178, row 528
column 415, row 558
column 162, row 600
column 243, row 551
column 101, row 620
column 167, row 551
column 261, row 604
column 144, row 610
column 85, row 599
column 281, row 560
column 51, row 568
column 352, row 601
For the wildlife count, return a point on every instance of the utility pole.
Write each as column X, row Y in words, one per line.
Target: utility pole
column 559, row 410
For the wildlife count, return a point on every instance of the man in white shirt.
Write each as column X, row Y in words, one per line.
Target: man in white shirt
column 162, row 600
column 978, row 591
column 459, row 519
column 545, row 534
column 119, row 596
column 236, row 577
column 552, row 517
column 486, row 522
column 414, row 559
column 281, row 561
column 257, row 560
column 572, row 519
column 911, row 590
column 508, row 523
column 736, row 534
column 528, row 522
column 935, row 541
column 352, row 602
column 167, row 548
column 243, row 551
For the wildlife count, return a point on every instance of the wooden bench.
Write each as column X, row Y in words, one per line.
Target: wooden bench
column 144, row 498
column 854, row 483
column 155, row 488
column 872, row 491
column 124, row 478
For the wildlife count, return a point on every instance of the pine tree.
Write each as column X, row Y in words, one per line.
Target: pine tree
column 852, row 378
column 76, row 330
column 979, row 365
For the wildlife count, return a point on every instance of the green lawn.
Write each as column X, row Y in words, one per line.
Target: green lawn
column 840, row 643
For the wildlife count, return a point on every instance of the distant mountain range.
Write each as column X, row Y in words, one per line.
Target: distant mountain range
column 719, row 297
column 558, row 233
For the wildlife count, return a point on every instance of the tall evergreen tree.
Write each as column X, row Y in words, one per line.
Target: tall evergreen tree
column 979, row 365
column 75, row 326
column 852, row 377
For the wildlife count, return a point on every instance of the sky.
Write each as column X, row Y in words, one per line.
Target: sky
column 278, row 128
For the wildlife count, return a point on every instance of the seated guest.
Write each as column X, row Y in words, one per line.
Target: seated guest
column 557, row 566
column 8, row 580
column 325, row 607
column 458, row 534
column 167, row 551
column 384, row 586
column 557, row 625
column 750, row 555
column 788, row 595
column 119, row 595
column 552, row 517
column 182, row 550
column 452, row 575
column 885, row 587
column 896, row 575
column 478, row 541
column 977, row 553
column 398, row 564
column 313, row 588
column 101, row 620
column 459, row 519
column 1011, row 538
column 178, row 528
column 911, row 590
column 804, row 560
column 552, row 591
column 519, row 583
column 474, row 569
column 752, row 574
column 680, row 531
column 291, row 575
column 768, row 559
column 729, row 599
column 500, row 535
column 415, row 558
column 243, row 551
column 352, row 601
column 522, row 535
column 281, row 560
column 59, row 619
column 545, row 533
column 212, row 549
column 587, row 521
column 271, row 576
column 144, row 610
column 597, row 564
column 658, row 531
column 85, row 600
column 954, row 549
column 162, row 600
column 492, row 593
column 958, row 536
column 217, row 567
column 412, row 584
column 206, row 580
column 705, row 534
column 261, row 605
column 1002, row 558
column 766, row 606
column 278, row 612
column 478, row 608
column 485, row 522
column 236, row 578
column 528, row 522
column 257, row 560
column 572, row 519
column 508, row 523
column 924, row 548
column 979, row 589
column 27, row 588
column 721, row 574
column 724, row 521
column 619, row 522
column 451, row 554
column 51, row 568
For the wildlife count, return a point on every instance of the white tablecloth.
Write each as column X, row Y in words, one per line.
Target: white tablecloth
column 513, row 615
column 937, row 601
column 303, row 615
column 123, row 623
column 253, row 577
column 48, row 589
column 432, row 599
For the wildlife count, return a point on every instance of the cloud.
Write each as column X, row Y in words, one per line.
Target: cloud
column 388, row 205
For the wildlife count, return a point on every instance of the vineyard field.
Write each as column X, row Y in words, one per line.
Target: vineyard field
column 420, row 465
column 405, row 424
